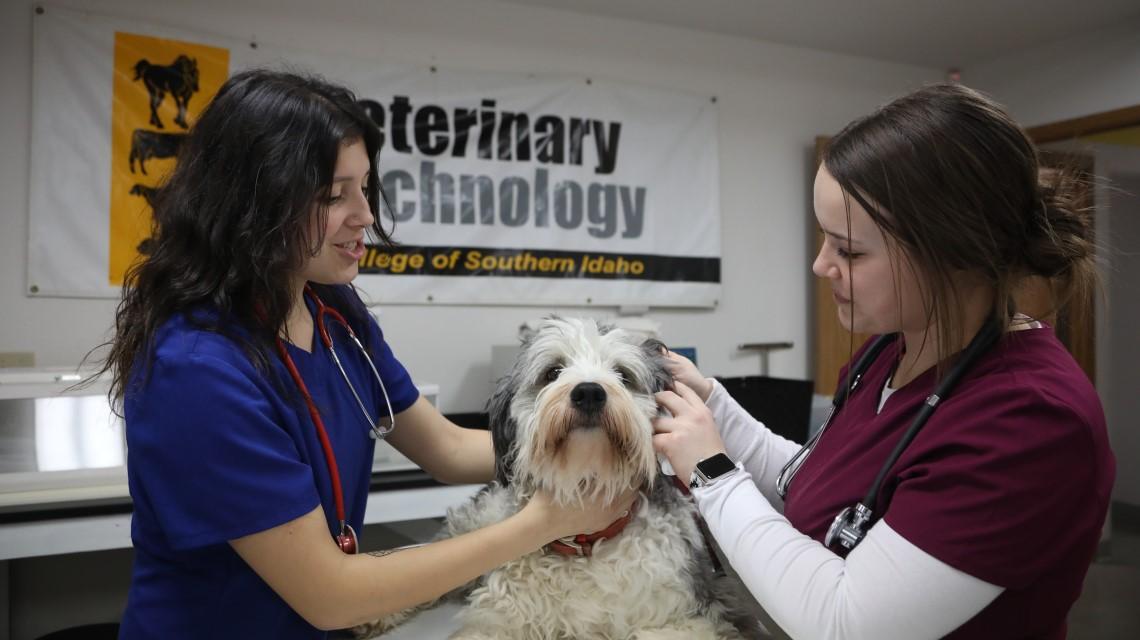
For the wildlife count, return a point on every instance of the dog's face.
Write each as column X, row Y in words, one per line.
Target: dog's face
column 573, row 416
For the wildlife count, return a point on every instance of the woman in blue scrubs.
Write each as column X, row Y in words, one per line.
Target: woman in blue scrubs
column 249, row 444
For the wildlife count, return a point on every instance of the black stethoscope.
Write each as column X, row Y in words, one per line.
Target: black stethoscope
column 850, row 525
column 346, row 539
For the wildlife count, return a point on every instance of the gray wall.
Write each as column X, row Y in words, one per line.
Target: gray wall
column 1123, row 317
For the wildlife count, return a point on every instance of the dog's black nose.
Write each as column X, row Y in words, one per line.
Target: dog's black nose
column 588, row 397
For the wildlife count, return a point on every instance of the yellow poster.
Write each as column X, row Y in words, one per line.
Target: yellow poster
column 160, row 87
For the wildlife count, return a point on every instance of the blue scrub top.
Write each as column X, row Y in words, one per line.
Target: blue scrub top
column 217, row 451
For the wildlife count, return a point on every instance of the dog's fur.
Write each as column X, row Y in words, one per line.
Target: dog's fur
column 654, row 579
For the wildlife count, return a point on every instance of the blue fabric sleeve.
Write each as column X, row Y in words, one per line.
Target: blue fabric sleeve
column 220, row 463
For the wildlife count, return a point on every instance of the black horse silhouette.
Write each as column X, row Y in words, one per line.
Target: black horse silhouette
column 153, row 144
column 179, row 78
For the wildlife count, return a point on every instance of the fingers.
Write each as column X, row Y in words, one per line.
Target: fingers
column 676, row 365
column 664, row 424
column 604, row 513
column 686, row 392
column 672, row 402
column 679, row 398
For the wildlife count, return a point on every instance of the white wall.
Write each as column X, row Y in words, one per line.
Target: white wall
column 773, row 101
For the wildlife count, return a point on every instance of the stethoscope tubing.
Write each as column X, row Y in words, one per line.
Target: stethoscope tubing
column 346, row 531
column 322, row 433
column 792, row 466
column 982, row 341
column 986, row 337
column 378, row 432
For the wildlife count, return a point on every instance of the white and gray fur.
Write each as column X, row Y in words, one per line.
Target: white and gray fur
column 652, row 581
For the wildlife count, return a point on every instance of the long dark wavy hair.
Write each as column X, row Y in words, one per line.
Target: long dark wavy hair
column 957, row 184
column 233, row 224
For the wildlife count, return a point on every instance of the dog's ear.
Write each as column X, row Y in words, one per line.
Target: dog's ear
column 527, row 333
column 503, row 428
column 655, row 351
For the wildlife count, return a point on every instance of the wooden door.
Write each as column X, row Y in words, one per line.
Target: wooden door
column 834, row 345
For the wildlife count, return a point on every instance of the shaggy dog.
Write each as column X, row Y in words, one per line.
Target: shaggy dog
column 573, row 418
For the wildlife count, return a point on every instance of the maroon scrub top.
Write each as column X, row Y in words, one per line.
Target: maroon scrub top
column 1009, row 481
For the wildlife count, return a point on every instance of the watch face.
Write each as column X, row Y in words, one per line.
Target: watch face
column 715, row 466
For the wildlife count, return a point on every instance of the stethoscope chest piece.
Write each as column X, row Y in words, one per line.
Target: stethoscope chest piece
column 346, row 540
column 849, row 527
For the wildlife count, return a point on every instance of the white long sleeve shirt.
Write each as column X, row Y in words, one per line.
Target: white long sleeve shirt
column 886, row 589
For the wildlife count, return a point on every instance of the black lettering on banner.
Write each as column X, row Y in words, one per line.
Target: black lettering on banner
column 430, row 130
column 603, row 210
column 536, row 263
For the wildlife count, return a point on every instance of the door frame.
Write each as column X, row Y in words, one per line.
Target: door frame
column 1085, row 125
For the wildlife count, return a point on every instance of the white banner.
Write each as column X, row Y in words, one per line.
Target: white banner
column 505, row 188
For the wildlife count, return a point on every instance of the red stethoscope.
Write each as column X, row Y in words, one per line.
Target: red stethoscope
column 346, row 539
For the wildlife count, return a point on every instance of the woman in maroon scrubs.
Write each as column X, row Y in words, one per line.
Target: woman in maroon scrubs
column 934, row 210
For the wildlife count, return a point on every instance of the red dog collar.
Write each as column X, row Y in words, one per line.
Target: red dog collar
column 583, row 543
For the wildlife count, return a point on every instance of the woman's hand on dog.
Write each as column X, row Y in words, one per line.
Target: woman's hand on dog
column 690, row 434
column 586, row 517
column 684, row 371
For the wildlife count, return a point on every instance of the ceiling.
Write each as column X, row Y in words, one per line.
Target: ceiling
column 930, row 33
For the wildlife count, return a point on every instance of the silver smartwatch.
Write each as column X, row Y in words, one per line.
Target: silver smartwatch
column 710, row 470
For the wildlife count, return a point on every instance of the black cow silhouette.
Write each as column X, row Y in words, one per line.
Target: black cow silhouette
column 179, row 78
column 148, row 193
column 153, row 144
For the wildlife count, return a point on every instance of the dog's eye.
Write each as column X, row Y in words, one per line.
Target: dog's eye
column 626, row 377
column 552, row 374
